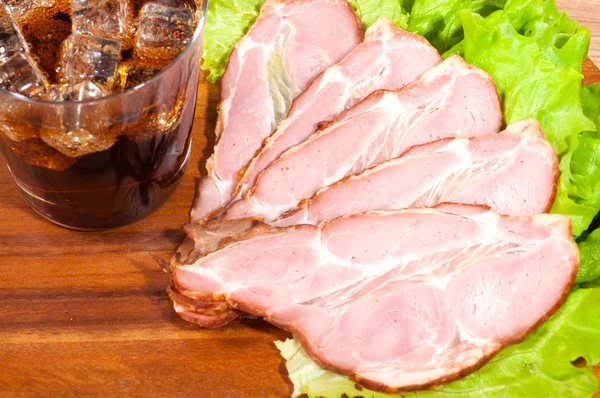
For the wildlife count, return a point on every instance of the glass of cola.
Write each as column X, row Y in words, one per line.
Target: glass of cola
column 97, row 102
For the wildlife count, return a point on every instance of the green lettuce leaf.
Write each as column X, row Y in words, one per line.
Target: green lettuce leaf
column 227, row 22
column 539, row 366
column 591, row 284
column 370, row 10
column 590, row 101
column 582, row 180
column 578, row 193
column 438, row 20
column 589, row 248
column 519, row 13
column 579, row 185
column 546, row 84
column 532, row 79
column 539, row 76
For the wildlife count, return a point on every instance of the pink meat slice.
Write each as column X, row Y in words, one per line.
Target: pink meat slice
column 290, row 43
column 398, row 300
column 494, row 170
column 453, row 99
column 389, row 58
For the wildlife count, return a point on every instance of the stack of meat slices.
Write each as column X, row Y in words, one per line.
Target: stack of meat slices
column 385, row 221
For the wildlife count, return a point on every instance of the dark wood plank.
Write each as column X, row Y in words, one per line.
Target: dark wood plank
column 591, row 72
column 86, row 313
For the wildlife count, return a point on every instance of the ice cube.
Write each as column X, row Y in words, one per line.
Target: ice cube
column 16, row 131
column 78, row 129
column 112, row 19
column 155, row 121
column 4, row 11
column 18, row 120
column 19, row 8
column 76, row 142
column 89, row 58
column 37, row 153
column 163, row 32
column 45, row 29
column 191, row 4
column 78, row 92
column 21, row 74
column 132, row 73
column 11, row 39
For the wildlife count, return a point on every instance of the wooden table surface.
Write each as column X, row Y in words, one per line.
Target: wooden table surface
column 86, row 314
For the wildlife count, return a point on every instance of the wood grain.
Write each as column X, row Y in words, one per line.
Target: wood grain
column 86, row 314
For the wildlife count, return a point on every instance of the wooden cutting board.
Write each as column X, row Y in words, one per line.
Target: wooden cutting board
column 87, row 314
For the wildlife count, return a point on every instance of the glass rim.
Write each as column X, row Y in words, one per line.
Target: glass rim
column 195, row 38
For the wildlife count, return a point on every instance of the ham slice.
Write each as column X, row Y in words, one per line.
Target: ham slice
column 513, row 172
column 423, row 112
column 399, row 300
column 389, row 58
column 493, row 170
column 290, row 43
column 453, row 99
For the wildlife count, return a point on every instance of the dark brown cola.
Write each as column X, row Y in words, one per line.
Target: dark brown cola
column 118, row 155
column 108, row 188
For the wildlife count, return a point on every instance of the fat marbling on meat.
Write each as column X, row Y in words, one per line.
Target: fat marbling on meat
column 514, row 172
column 381, row 127
column 398, row 300
column 389, row 58
column 453, row 99
column 290, row 43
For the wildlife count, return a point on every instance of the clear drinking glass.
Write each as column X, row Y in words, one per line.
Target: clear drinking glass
column 133, row 146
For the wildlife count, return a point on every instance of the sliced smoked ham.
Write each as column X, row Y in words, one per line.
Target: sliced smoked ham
column 290, row 43
column 389, row 58
column 494, row 170
column 423, row 112
column 453, row 99
column 398, row 300
column 513, row 172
